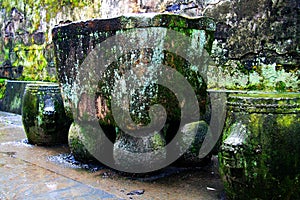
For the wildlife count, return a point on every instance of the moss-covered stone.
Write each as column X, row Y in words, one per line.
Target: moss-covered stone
column 73, row 43
column 25, row 40
column 256, row 45
column 142, row 152
column 88, row 142
column 76, row 141
column 2, row 88
column 256, row 30
column 259, row 156
column 236, row 76
column 191, row 157
column 43, row 115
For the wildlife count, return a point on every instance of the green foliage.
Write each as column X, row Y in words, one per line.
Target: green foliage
column 2, row 87
column 36, row 13
column 280, row 86
column 34, row 62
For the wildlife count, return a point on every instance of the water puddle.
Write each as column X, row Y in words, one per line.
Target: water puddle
column 153, row 176
column 33, row 162
column 11, row 119
column 18, row 143
column 10, row 154
column 68, row 160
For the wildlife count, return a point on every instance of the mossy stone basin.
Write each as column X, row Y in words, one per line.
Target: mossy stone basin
column 43, row 115
column 260, row 151
column 144, row 48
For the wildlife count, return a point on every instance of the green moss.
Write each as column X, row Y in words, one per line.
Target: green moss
column 81, row 141
column 157, row 141
column 266, row 162
column 34, row 62
column 286, row 120
column 2, row 87
column 234, row 75
column 280, row 86
column 16, row 103
column 34, row 12
column 262, row 96
column 29, row 110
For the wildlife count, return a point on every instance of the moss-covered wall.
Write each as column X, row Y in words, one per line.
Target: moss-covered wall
column 257, row 45
column 26, row 50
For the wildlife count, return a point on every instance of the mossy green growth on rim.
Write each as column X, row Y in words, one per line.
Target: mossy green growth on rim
column 265, row 102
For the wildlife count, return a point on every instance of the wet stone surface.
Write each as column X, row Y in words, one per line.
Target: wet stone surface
column 35, row 172
column 24, row 180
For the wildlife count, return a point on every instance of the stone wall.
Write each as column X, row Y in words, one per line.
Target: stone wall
column 26, row 50
column 257, row 45
column 13, row 96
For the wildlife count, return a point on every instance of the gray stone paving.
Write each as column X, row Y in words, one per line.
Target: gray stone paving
column 24, row 180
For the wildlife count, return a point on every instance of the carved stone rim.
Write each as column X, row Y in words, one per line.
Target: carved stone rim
column 131, row 21
column 43, row 87
column 264, row 102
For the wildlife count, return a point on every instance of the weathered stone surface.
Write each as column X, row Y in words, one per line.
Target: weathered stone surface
column 191, row 156
column 249, row 33
column 73, row 43
column 77, row 141
column 259, row 156
column 25, row 38
column 253, row 40
column 142, row 151
column 263, row 29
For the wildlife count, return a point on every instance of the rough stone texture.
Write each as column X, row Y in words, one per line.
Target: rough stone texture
column 262, row 29
column 139, row 150
column 253, row 40
column 25, row 39
column 74, row 41
column 112, row 8
column 191, row 156
column 250, row 35
column 259, row 156
column 78, row 140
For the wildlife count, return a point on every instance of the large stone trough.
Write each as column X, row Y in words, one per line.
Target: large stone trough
column 114, row 73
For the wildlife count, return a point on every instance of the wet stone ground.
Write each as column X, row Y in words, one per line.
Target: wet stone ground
column 34, row 172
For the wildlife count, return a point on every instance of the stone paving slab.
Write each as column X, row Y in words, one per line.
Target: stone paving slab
column 22, row 180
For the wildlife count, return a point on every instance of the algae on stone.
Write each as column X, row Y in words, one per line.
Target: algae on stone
column 260, row 154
